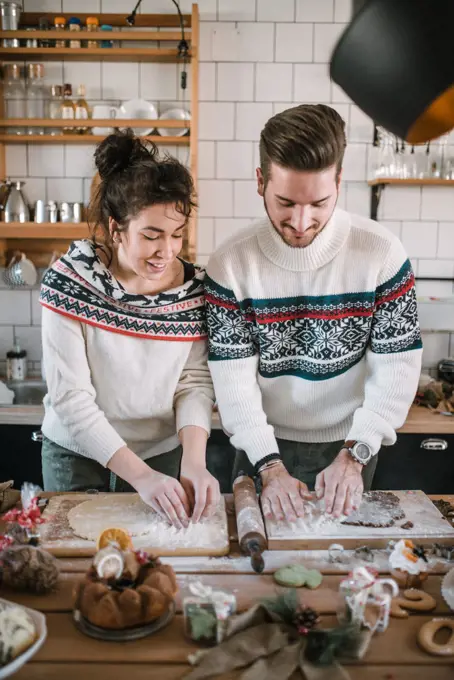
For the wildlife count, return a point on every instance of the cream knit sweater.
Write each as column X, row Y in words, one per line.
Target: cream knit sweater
column 106, row 389
column 316, row 344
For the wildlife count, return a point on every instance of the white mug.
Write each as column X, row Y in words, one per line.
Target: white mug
column 103, row 111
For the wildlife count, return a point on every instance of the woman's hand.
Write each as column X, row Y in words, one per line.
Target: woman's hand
column 201, row 488
column 166, row 496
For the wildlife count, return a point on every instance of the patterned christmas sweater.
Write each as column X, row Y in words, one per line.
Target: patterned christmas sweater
column 314, row 344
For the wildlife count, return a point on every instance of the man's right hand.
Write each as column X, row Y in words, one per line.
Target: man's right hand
column 282, row 495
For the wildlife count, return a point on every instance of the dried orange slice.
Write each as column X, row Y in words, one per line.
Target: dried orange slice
column 119, row 537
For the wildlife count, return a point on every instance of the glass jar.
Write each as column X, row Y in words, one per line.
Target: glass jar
column 68, row 110
column 31, row 41
column 44, row 25
column 81, row 109
column 15, row 96
column 54, row 107
column 74, row 25
column 106, row 43
column 35, row 96
column 60, row 25
column 92, row 25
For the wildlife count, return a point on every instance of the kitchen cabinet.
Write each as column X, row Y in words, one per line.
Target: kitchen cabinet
column 20, row 456
column 417, row 461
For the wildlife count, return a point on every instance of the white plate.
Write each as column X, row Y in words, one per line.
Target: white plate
column 41, row 629
column 140, row 109
column 174, row 114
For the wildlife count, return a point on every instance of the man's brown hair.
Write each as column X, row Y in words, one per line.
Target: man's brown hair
column 306, row 137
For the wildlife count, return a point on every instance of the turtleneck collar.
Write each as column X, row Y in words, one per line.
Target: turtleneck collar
column 321, row 251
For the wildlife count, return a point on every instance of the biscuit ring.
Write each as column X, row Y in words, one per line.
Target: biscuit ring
column 414, row 600
column 426, row 635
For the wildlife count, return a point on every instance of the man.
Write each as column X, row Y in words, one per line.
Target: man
column 313, row 326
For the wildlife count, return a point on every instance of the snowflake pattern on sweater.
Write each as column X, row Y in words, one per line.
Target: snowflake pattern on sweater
column 313, row 337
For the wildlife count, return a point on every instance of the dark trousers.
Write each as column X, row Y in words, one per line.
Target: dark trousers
column 64, row 470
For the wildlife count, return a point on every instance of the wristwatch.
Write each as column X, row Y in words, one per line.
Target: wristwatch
column 359, row 451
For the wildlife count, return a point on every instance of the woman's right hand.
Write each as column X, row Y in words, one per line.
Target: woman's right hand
column 166, row 496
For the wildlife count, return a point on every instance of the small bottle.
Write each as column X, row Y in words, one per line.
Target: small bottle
column 81, row 109
column 44, row 25
column 54, row 108
column 106, row 43
column 35, row 96
column 15, row 94
column 68, row 110
column 92, row 25
column 31, row 41
column 74, row 27
column 60, row 25
column 16, row 363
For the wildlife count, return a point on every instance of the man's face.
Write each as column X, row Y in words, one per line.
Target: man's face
column 299, row 203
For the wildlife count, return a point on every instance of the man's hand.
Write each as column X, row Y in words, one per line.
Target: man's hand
column 282, row 495
column 340, row 485
column 202, row 489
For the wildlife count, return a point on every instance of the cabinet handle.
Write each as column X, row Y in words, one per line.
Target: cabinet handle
column 37, row 436
column 434, row 444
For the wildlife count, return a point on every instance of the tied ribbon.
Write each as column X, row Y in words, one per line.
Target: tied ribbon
column 224, row 603
column 28, row 517
column 361, row 588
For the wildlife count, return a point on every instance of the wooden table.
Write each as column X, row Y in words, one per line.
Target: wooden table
column 69, row 655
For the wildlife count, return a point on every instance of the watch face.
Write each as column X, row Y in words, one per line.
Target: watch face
column 362, row 451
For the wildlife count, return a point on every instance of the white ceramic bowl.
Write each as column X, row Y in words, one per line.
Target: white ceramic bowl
column 174, row 114
column 40, row 623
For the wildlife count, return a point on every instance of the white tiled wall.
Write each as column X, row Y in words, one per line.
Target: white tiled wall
column 258, row 57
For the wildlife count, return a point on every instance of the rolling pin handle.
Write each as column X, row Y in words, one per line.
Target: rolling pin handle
column 257, row 561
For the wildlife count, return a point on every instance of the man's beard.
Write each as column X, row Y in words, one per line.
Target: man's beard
column 291, row 245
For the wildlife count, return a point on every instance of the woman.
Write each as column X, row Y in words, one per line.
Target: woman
column 124, row 344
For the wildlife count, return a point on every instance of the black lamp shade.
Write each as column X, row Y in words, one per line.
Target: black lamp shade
column 396, row 62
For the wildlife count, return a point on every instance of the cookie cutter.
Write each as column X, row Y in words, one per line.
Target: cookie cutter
column 336, row 553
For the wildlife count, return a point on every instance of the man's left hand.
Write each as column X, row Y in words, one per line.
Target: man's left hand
column 341, row 485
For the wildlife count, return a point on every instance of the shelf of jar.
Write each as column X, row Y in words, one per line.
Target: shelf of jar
column 434, row 181
column 131, row 36
column 45, row 230
column 123, row 54
column 96, row 122
column 118, row 20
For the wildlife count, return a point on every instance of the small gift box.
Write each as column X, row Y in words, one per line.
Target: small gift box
column 206, row 611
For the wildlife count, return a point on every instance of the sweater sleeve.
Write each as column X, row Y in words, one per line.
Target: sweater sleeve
column 233, row 362
column 70, row 389
column 194, row 396
column 393, row 357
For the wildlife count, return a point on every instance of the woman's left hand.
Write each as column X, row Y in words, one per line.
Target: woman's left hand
column 202, row 489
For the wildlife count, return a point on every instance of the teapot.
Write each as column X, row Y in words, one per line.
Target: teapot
column 12, row 202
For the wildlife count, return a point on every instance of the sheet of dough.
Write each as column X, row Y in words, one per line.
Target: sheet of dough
column 89, row 518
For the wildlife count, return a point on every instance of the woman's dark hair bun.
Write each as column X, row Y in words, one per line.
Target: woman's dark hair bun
column 119, row 151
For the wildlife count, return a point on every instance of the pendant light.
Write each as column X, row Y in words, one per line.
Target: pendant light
column 396, row 62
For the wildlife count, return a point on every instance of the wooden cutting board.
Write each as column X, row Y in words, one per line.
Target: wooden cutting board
column 58, row 537
column 429, row 527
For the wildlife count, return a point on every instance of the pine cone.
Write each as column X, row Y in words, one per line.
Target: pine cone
column 305, row 619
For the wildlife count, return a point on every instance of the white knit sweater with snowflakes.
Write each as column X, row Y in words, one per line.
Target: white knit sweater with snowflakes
column 314, row 344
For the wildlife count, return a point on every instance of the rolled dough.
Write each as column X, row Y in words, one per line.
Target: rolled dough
column 128, row 511
column 91, row 517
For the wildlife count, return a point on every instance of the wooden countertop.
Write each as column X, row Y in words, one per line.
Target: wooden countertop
column 69, row 654
column 420, row 420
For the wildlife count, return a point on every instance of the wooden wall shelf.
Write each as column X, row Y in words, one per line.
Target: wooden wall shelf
column 123, row 54
column 142, row 20
column 129, row 35
column 96, row 122
column 45, row 230
column 378, row 185
column 427, row 181
column 86, row 139
column 38, row 241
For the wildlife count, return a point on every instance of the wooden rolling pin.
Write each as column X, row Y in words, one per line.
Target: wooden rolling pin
column 251, row 530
